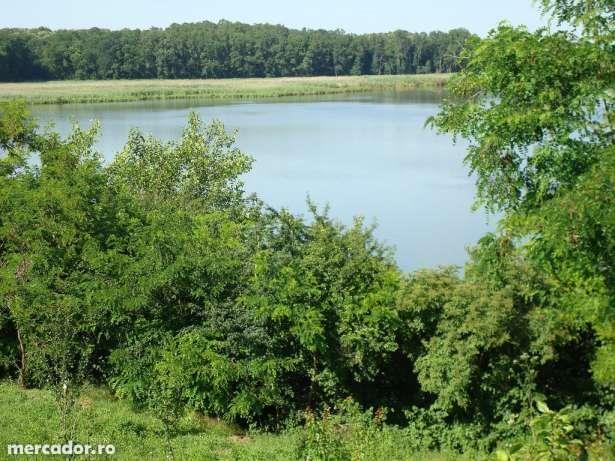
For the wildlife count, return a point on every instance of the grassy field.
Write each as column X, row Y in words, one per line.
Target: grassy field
column 60, row 92
column 31, row 416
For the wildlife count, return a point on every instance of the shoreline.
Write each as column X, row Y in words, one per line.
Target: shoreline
column 112, row 91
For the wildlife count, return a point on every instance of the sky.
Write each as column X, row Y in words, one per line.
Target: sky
column 357, row 16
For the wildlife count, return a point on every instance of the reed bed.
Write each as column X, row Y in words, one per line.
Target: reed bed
column 90, row 91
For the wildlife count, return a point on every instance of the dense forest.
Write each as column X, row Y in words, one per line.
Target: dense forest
column 157, row 277
column 223, row 49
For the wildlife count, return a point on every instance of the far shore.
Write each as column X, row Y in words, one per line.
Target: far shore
column 91, row 91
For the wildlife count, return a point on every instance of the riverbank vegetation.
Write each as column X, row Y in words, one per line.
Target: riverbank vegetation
column 221, row 50
column 212, row 89
column 156, row 278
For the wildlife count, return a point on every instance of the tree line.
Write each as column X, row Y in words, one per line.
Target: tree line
column 220, row 50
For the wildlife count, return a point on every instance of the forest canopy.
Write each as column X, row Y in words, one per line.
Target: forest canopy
column 220, row 50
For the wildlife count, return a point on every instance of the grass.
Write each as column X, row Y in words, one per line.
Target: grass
column 88, row 91
column 30, row 416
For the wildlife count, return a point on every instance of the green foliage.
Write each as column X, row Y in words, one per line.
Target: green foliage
column 52, row 217
column 219, row 50
column 491, row 346
column 196, row 366
column 594, row 17
column 273, row 345
column 347, row 433
column 322, row 439
column 475, row 324
column 329, row 293
column 551, row 438
column 536, row 109
column 16, row 129
column 428, row 428
column 201, row 170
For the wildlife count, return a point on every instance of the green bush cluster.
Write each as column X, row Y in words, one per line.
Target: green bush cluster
column 158, row 276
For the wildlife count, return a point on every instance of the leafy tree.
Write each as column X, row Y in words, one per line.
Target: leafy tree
column 536, row 109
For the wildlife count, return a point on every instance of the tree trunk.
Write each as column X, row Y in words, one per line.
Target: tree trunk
column 22, row 361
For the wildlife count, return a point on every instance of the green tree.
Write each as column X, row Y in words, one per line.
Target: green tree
column 536, row 109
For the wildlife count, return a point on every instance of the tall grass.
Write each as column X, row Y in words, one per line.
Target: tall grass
column 31, row 417
column 87, row 91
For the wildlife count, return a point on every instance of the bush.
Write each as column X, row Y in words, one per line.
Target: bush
column 346, row 433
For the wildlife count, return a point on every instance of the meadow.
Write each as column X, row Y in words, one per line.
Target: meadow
column 31, row 416
column 90, row 91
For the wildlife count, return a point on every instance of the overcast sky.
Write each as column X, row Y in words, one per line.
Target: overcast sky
column 357, row 16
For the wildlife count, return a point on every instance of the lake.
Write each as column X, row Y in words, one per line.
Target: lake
column 366, row 155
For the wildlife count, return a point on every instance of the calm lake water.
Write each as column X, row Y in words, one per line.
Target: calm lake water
column 366, row 155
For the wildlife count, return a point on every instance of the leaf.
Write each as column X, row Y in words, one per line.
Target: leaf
column 542, row 407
